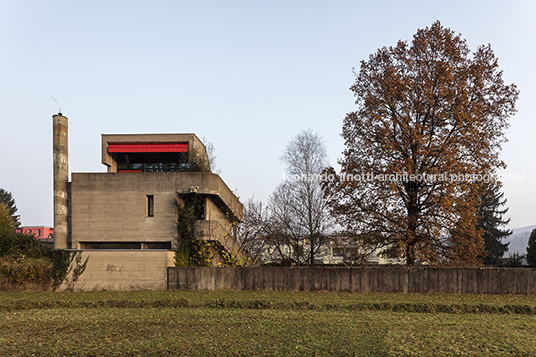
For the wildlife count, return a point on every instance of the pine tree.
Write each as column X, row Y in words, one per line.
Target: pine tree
column 531, row 249
column 9, row 202
column 6, row 223
column 490, row 222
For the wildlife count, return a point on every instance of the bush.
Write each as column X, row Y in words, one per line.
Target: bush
column 515, row 261
column 25, row 261
column 18, row 244
column 24, row 271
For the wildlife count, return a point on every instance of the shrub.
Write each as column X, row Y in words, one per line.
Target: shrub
column 24, row 271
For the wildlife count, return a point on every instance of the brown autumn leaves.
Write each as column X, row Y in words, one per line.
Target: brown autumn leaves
column 424, row 141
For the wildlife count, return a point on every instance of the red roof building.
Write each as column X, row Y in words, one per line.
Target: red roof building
column 39, row 232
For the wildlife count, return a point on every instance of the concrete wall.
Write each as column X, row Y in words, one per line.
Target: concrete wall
column 213, row 213
column 359, row 279
column 113, row 206
column 217, row 226
column 124, row 270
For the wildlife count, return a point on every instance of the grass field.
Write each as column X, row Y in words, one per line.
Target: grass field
column 227, row 323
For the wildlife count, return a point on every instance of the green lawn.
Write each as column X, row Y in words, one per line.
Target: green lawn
column 230, row 323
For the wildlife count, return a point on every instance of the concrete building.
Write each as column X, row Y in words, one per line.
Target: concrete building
column 132, row 208
column 132, row 205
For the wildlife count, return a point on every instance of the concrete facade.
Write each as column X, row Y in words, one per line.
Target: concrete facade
column 112, row 207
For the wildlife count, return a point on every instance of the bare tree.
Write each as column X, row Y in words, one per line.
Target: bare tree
column 252, row 235
column 211, row 155
column 299, row 218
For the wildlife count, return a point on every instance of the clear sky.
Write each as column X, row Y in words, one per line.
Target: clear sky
column 247, row 75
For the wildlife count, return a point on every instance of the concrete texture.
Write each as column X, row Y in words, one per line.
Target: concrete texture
column 124, row 270
column 386, row 279
column 61, row 181
column 111, row 207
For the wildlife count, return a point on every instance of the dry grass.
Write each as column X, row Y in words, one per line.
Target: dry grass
column 230, row 323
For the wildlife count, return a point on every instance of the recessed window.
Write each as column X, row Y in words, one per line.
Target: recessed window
column 158, row 245
column 111, row 245
column 151, row 162
column 150, row 206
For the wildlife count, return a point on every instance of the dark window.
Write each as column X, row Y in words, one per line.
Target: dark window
column 152, row 162
column 158, row 245
column 126, row 245
column 150, row 206
column 111, row 245
column 201, row 208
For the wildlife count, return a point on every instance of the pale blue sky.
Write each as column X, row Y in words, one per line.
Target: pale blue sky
column 247, row 75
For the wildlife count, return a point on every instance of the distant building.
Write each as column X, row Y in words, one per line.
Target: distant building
column 330, row 253
column 39, row 232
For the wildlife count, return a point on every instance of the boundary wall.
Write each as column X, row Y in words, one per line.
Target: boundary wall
column 381, row 279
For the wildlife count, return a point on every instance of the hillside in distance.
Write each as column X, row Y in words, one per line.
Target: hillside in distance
column 518, row 240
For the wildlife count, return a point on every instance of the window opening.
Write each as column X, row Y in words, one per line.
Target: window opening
column 150, row 206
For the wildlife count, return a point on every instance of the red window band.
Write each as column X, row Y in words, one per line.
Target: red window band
column 148, row 147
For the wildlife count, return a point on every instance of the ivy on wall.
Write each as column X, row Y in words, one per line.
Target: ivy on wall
column 191, row 249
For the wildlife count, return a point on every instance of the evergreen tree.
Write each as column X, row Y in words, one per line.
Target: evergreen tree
column 491, row 220
column 6, row 223
column 9, row 203
column 531, row 249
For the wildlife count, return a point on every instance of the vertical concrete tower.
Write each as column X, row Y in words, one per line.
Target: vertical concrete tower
column 61, row 181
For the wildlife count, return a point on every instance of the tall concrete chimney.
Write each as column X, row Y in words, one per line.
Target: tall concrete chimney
column 61, row 181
